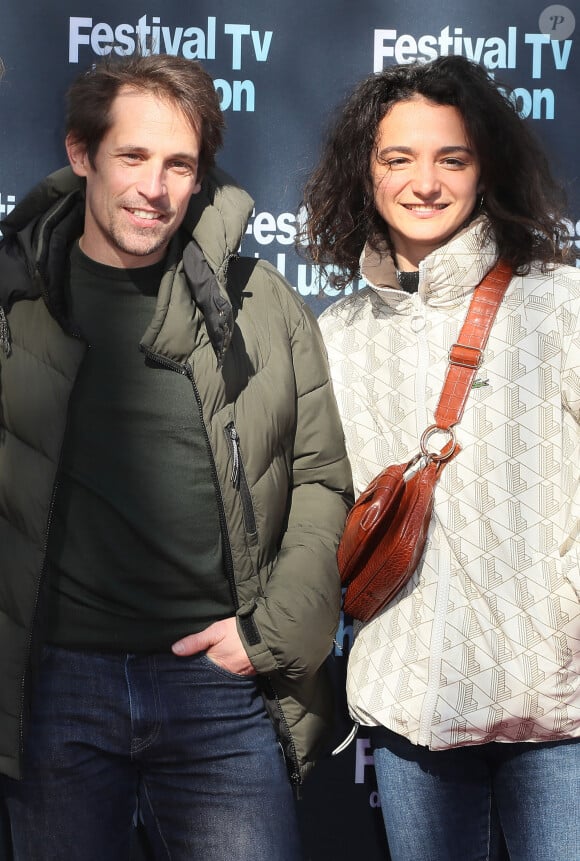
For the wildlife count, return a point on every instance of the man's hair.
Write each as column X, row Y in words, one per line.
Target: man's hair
column 523, row 202
column 182, row 82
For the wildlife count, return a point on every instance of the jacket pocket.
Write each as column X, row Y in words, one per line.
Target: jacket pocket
column 240, row 482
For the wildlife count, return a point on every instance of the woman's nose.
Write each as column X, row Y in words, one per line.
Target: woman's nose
column 425, row 179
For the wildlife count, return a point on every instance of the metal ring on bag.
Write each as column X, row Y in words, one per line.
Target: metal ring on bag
column 438, row 457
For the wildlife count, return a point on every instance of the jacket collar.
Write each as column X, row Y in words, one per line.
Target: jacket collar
column 446, row 276
column 39, row 232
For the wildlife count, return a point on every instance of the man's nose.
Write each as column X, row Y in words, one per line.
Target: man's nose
column 152, row 182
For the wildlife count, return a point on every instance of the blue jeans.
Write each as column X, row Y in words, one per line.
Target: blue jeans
column 180, row 742
column 453, row 805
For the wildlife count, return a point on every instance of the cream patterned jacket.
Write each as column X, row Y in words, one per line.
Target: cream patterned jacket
column 484, row 642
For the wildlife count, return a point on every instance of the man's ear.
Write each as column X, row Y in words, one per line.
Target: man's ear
column 77, row 155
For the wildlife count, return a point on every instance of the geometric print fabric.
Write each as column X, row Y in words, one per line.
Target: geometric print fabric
column 484, row 641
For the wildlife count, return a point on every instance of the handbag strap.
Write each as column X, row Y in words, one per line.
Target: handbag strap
column 466, row 355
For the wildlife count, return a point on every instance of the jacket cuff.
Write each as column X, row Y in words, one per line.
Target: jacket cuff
column 257, row 651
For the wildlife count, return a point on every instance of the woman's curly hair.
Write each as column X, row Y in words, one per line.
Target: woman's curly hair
column 525, row 205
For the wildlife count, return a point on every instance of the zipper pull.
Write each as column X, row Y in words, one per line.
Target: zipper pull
column 235, row 476
column 4, row 333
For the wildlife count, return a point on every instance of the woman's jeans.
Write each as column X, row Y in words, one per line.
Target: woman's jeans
column 179, row 742
column 450, row 805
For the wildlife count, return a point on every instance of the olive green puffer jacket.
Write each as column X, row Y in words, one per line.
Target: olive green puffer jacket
column 253, row 353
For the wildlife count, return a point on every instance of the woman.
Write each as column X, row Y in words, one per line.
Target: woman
column 470, row 677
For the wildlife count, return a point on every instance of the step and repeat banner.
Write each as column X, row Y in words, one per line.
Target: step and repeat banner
column 281, row 68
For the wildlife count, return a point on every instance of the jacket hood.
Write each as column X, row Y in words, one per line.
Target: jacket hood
column 217, row 218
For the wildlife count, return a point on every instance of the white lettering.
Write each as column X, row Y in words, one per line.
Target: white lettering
column 318, row 286
column 536, row 40
column 125, row 44
column 405, row 49
column 262, row 49
column 194, row 48
column 445, row 42
column 236, row 31
column 286, row 224
column 143, row 31
column 151, row 39
column 211, row 22
column 191, row 42
column 494, row 52
column 264, row 228
column 6, row 208
column 474, row 53
column 495, row 56
column 380, row 49
column 538, row 104
column 561, row 51
column 155, row 34
column 102, row 37
column 362, row 761
column 75, row 39
column 231, row 94
column 427, row 46
column 171, row 43
column 512, row 43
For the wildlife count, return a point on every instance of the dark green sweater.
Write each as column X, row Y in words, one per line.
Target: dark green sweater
column 135, row 548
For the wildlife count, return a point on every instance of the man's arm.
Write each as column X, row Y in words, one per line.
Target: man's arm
column 290, row 626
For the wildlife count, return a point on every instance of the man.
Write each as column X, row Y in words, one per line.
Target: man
column 173, row 484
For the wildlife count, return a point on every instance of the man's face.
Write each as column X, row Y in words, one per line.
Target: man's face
column 144, row 175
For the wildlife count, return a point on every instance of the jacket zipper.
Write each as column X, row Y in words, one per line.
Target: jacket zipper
column 239, row 480
column 439, row 615
column 418, row 324
column 238, row 475
column 42, row 575
column 34, row 614
column 240, row 483
column 294, row 773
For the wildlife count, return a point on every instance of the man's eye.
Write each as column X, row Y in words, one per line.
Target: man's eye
column 182, row 166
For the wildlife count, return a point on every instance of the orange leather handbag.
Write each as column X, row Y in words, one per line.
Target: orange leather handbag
column 386, row 530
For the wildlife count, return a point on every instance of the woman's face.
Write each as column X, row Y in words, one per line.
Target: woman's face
column 425, row 177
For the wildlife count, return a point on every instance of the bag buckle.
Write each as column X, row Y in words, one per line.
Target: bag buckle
column 462, row 355
column 446, row 451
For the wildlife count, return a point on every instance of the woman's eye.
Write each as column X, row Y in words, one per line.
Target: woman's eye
column 398, row 161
